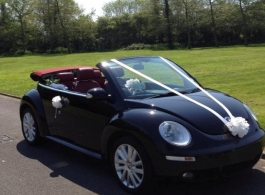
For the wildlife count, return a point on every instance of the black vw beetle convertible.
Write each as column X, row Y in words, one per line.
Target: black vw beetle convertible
column 146, row 117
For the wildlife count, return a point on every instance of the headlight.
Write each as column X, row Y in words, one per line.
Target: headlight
column 174, row 133
column 250, row 111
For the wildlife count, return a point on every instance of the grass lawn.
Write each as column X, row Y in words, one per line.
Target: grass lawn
column 238, row 71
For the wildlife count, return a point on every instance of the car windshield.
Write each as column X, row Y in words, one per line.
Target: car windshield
column 127, row 75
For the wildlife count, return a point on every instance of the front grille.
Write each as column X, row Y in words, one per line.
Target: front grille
column 225, row 171
column 233, row 169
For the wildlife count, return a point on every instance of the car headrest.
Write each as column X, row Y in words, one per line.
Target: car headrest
column 85, row 73
column 118, row 71
column 65, row 76
column 97, row 74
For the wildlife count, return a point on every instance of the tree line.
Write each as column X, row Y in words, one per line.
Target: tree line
column 61, row 26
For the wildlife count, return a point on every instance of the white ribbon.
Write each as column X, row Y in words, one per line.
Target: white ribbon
column 237, row 125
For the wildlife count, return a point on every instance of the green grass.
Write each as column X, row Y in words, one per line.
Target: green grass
column 238, row 71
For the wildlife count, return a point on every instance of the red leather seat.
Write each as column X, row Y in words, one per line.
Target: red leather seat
column 85, row 80
column 66, row 78
column 99, row 78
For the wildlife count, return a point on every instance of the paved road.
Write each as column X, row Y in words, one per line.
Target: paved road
column 56, row 170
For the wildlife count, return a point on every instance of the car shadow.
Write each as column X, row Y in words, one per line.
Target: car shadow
column 250, row 182
column 94, row 175
column 81, row 169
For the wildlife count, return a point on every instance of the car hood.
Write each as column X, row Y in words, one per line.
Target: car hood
column 195, row 115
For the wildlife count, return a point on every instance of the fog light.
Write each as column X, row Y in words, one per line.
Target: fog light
column 187, row 175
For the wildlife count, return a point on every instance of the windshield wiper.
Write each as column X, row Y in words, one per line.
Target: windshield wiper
column 195, row 90
column 168, row 94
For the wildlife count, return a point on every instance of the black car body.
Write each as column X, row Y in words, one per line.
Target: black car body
column 113, row 122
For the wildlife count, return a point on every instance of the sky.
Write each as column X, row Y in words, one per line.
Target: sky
column 89, row 4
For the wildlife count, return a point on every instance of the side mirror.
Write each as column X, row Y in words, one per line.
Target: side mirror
column 97, row 94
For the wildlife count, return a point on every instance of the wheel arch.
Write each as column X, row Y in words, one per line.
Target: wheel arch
column 141, row 123
column 113, row 133
column 32, row 100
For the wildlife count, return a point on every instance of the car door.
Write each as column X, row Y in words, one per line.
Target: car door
column 91, row 117
column 58, row 119
column 81, row 122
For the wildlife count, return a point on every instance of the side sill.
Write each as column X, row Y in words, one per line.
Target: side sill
column 77, row 148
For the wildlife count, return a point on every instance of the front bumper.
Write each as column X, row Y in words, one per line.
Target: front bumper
column 212, row 166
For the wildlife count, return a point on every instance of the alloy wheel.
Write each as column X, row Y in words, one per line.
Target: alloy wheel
column 129, row 166
column 29, row 127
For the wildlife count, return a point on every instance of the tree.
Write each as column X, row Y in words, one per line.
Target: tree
column 60, row 17
column 120, row 7
column 256, row 13
column 116, row 32
column 168, row 23
column 3, row 12
column 154, row 11
column 4, row 27
column 244, row 21
column 213, row 24
column 61, row 26
column 83, row 34
column 191, row 14
column 21, row 9
column 56, row 19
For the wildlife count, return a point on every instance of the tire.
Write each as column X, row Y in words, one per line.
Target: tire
column 131, row 165
column 30, row 128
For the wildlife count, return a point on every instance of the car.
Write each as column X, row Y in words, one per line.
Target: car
column 145, row 116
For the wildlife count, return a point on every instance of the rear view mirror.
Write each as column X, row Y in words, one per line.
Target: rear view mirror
column 138, row 67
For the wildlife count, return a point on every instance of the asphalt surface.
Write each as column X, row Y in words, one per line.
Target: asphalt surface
column 56, row 170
